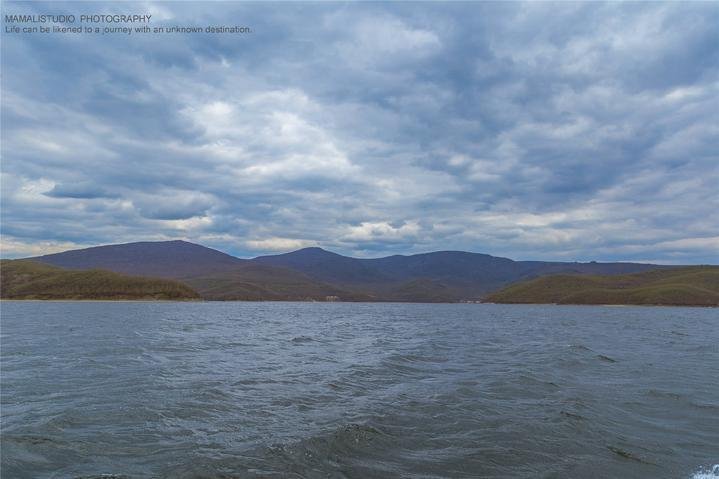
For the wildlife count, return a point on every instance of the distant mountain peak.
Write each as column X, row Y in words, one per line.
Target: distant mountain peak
column 162, row 242
column 166, row 259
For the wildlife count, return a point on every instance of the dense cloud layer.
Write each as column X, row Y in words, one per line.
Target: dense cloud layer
column 534, row 131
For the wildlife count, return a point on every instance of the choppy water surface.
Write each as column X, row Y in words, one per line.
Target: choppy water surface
column 218, row 390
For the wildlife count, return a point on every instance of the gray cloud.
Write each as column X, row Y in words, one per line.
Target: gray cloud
column 535, row 131
column 81, row 190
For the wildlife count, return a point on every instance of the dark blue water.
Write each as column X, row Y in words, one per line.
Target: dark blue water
column 222, row 390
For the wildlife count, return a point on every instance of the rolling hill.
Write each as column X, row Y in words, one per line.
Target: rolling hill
column 689, row 286
column 315, row 274
column 22, row 279
column 257, row 282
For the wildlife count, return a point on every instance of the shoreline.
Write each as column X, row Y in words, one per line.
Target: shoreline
column 2, row 300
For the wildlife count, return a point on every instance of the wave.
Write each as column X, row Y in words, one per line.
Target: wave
column 303, row 339
column 707, row 473
column 344, row 440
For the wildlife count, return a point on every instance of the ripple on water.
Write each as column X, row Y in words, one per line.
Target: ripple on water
column 302, row 339
column 357, row 391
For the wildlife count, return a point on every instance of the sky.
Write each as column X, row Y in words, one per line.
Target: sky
column 547, row 131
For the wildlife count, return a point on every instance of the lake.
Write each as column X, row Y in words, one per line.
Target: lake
column 364, row 390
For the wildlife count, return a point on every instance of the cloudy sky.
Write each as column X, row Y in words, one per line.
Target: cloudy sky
column 555, row 131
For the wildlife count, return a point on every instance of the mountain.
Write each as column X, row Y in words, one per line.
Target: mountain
column 316, row 274
column 162, row 259
column 460, row 274
column 327, row 266
column 690, row 286
column 213, row 274
column 22, row 279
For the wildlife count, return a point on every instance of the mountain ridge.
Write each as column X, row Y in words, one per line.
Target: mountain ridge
column 469, row 275
column 162, row 259
column 317, row 274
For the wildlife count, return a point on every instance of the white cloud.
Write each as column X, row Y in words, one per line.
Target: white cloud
column 278, row 244
column 13, row 248
column 380, row 40
column 381, row 231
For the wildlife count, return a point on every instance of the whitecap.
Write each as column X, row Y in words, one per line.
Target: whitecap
column 707, row 473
